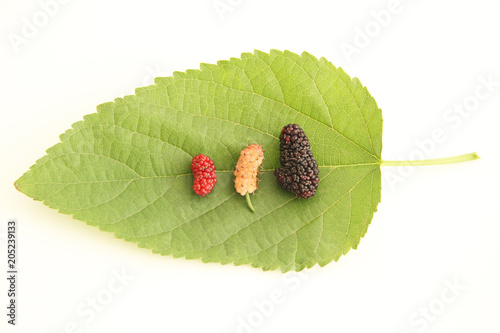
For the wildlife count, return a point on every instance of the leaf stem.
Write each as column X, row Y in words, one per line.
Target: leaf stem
column 249, row 202
column 434, row 161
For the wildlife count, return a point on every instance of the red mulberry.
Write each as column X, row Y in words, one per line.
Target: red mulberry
column 299, row 170
column 204, row 174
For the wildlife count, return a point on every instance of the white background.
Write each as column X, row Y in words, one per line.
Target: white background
column 435, row 227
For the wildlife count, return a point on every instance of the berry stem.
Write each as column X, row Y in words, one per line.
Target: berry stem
column 249, row 202
column 434, row 161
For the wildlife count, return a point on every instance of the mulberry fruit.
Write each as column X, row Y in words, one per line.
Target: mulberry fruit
column 247, row 169
column 204, row 174
column 299, row 170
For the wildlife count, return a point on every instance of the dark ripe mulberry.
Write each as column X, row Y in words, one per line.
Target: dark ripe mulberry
column 299, row 170
column 204, row 177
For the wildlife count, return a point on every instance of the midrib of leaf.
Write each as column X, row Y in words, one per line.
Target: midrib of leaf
column 185, row 174
column 129, row 181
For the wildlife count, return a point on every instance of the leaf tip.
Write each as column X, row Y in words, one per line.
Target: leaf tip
column 20, row 182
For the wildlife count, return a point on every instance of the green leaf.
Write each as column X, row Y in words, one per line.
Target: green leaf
column 126, row 168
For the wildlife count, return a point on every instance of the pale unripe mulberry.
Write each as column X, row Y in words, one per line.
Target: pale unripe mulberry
column 247, row 169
